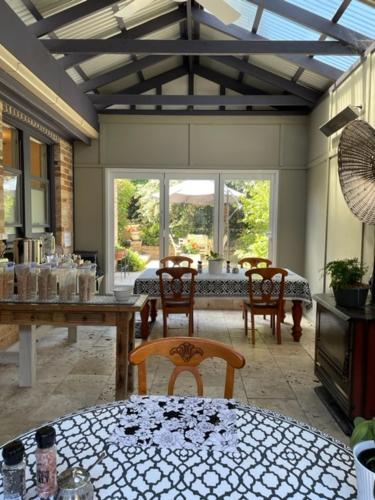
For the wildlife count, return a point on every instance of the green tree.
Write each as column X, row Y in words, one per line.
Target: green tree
column 125, row 191
column 256, row 219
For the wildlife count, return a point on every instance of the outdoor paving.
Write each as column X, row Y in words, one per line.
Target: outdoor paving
column 74, row 376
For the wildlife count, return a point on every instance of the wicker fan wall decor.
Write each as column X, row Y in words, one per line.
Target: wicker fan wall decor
column 357, row 169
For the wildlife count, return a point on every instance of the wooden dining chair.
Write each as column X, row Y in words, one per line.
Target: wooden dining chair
column 177, row 293
column 186, row 354
column 255, row 262
column 266, row 297
column 176, row 260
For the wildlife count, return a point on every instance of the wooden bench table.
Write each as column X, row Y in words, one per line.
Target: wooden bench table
column 102, row 310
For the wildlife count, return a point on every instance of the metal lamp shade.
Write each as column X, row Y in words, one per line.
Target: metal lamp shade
column 357, row 169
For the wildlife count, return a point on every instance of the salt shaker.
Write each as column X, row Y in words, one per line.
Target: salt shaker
column 228, row 266
column 46, row 462
column 200, row 266
column 14, row 467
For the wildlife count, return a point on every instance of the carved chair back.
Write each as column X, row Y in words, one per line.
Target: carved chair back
column 266, row 291
column 173, row 286
column 176, row 260
column 186, row 354
column 255, row 262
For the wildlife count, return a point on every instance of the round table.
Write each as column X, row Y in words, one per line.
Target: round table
column 276, row 457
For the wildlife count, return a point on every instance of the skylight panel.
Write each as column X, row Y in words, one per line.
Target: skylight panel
column 277, row 27
column 248, row 12
column 360, row 17
column 339, row 62
column 323, row 8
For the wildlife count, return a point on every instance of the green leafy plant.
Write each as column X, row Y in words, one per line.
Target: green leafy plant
column 364, row 430
column 345, row 273
column 214, row 256
column 134, row 261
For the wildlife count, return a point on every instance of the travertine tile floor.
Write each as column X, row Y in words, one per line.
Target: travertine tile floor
column 73, row 376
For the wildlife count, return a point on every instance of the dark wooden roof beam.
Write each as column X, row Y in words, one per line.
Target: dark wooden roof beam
column 239, row 33
column 196, row 47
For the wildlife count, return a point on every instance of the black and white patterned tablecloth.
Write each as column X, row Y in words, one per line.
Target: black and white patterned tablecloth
column 276, row 458
column 225, row 285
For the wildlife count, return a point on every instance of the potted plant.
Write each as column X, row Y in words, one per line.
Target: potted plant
column 363, row 444
column 215, row 263
column 346, row 282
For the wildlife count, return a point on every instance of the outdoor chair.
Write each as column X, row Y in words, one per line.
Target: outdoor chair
column 177, row 294
column 176, row 260
column 266, row 297
column 186, row 354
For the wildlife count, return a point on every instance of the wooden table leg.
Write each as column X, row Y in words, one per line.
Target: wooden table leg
column 154, row 311
column 131, row 347
column 145, row 329
column 122, row 351
column 27, row 356
column 72, row 334
column 297, row 316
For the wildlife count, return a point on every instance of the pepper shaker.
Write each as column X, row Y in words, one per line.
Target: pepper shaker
column 200, row 267
column 228, row 266
column 14, row 468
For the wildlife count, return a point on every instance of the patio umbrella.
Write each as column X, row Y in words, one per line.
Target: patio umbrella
column 200, row 192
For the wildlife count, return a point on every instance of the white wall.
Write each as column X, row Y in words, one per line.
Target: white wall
column 197, row 143
column 332, row 231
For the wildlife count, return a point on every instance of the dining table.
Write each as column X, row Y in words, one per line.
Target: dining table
column 179, row 447
column 225, row 286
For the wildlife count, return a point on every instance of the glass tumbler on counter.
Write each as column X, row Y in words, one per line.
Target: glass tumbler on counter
column 86, row 282
column 47, row 282
column 67, row 282
column 6, row 280
column 27, row 284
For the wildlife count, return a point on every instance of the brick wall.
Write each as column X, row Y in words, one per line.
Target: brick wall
column 63, row 197
column 8, row 333
column 63, row 170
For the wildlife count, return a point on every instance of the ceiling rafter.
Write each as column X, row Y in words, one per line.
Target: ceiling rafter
column 155, row 82
column 121, row 72
column 310, row 96
column 226, row 81
column 241, row 34
column 196, row 47
column 67, row 16
column 339, row 12
column 207, row 112
column 315, row 22
column 32, row 9
column 199, row 100
column 139, row 31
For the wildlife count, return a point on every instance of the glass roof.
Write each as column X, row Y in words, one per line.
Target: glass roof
column 323, row 8
column 275, row 27
column 358, row 16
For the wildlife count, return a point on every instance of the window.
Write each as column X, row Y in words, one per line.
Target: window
column 12, row 179
column 39, row 185
column 26, row 183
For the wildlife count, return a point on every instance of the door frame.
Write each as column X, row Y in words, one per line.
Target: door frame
column 121, row 173
column 164, row 175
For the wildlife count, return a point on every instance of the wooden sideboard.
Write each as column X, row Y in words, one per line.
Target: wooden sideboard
column 345, row 356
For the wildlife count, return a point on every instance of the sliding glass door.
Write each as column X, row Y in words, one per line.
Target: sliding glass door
column 150, row 215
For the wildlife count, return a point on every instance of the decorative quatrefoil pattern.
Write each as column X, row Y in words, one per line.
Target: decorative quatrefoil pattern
column 276, row 458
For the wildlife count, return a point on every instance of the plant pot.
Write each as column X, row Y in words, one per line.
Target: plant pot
column 365, row 477
column 351, row 297
column 215, row 266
